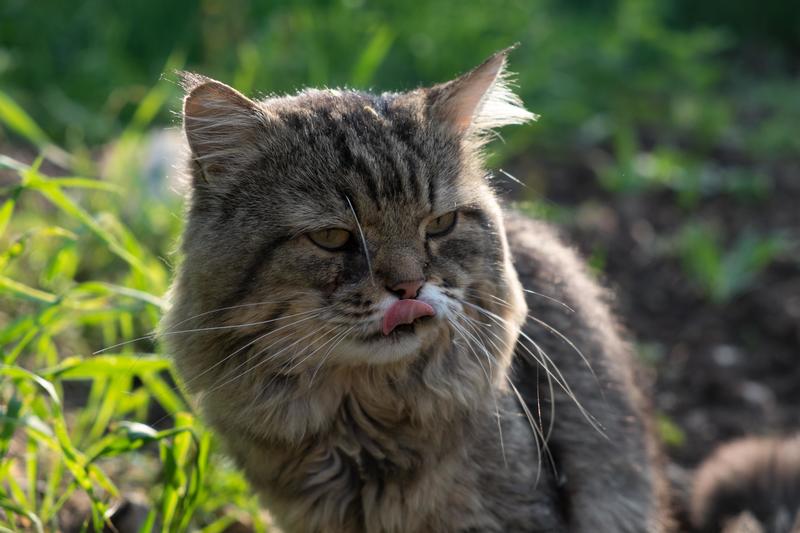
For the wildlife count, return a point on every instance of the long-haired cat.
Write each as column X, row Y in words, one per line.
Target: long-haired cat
column 379, row 345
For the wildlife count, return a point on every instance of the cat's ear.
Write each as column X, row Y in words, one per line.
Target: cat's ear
column 481, row 99
column 222, row 125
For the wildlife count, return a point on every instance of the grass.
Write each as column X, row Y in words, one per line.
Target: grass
column 75, row 279
column 88, row 223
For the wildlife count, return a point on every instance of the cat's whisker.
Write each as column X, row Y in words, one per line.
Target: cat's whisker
column 568, row 341
column 544, row 324
column 551, row 298
column 539, row 438
column 307, row 357
column 262, row 362
column 252, row 342
column 547, row 374
column 561, row 380
column 280, row 372
column 529, row 291
column 363, row 239
column 227, row 357
column 342, row 336
column 511, row 177
column 467, row 336
column 550, row 379
column 155, row 334
column 459, row 329
column 231, row 307
column 542, row 359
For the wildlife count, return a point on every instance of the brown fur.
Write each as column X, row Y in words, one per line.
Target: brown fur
column 457, row 424
column 751, row 485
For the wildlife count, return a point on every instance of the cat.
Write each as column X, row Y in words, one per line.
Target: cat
column 750, row 485
column 380, row 346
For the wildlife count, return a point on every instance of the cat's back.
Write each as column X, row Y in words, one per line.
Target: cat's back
column 559, row 290
column 570, row 356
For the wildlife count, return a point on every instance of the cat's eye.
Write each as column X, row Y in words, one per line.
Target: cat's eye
column 441, row 225
column 331, row 238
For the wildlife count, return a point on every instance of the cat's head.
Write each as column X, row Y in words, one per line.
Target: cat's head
column 338, row 227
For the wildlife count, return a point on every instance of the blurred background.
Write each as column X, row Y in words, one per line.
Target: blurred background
column 667, row 151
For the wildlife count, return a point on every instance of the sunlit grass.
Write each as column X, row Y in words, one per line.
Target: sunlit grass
column 74, row 279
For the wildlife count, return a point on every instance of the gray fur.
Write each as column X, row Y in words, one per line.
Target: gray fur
column 341, row 430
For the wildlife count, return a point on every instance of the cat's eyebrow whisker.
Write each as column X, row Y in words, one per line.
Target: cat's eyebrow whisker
column 512, row 178
column 363, row 239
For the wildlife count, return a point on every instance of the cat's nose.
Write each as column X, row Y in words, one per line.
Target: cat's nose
column 407, row 289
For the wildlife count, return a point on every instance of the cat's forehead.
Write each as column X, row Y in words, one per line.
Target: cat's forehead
column 335, row 102
column 334, row 111
column 378, row 151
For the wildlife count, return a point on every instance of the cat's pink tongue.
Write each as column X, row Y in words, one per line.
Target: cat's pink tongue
column 405, row 312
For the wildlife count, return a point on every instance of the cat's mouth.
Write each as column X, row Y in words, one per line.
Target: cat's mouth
column 401, row 331
column 405, row 313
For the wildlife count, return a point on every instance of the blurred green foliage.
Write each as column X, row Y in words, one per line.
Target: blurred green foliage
column 723, row 272
column 649, row 95
column 81, row 70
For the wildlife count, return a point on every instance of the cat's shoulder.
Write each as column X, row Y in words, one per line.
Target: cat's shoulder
column 539, row 248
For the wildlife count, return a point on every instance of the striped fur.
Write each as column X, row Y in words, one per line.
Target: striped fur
column 427, row 430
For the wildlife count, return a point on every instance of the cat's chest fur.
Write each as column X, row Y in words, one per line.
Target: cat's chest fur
column 375, row 468
column 362, row 473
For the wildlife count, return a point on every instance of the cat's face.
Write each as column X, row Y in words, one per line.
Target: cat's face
column 346, row 228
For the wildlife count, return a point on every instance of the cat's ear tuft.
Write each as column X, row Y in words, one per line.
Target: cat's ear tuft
column 481, row 99
column 222, row 125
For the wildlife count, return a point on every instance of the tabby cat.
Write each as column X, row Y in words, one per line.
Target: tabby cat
column 380, row 346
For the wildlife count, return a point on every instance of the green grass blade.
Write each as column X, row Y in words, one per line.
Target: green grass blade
column 20, row 290
column 11, row 507
column 85, row 183
column 162, row 392
column 5, row 213
column 18, row 121
column 372, row 56
column 17, row 372
column 68, row 206
column 106, row 365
